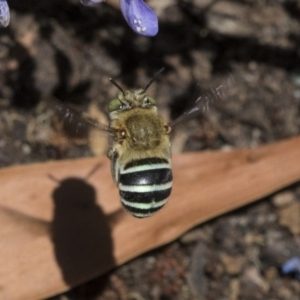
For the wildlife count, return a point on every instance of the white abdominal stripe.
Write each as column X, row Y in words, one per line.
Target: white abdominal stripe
column 145, row 186
column 144, row 204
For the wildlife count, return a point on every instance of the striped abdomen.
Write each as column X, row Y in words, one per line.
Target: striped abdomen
column 145, row 186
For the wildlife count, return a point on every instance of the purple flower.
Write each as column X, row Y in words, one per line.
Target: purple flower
column 4, row 13
column 139, row 16
column 292, row 266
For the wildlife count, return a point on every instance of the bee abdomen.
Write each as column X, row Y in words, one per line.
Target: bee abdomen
column 145, row 186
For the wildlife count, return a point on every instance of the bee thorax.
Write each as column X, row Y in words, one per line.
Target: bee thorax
column 144, row 131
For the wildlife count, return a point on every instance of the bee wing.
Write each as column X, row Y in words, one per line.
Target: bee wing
column 81, row 121
column 204, row 102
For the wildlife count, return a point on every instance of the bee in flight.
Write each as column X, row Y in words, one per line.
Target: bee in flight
column 140, row 151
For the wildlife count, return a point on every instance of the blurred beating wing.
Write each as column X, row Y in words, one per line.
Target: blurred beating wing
column 79, row 121
column 203, row 103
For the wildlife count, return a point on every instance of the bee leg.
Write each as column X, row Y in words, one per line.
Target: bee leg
column 113, row 155
column 111, row 152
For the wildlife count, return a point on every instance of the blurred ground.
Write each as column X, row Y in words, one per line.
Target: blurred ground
column 62, row 50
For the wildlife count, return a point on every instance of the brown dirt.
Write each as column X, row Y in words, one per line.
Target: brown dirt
column 60, row 49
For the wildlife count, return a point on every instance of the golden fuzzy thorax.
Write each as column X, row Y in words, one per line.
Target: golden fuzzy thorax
column 140, row 131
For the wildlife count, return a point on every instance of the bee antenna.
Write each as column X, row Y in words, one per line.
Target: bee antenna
column 153, row 79
column 117, row 85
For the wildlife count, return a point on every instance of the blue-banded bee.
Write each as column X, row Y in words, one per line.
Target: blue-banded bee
column 140, row 151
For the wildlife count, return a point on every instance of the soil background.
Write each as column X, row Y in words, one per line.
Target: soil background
column 60, row 50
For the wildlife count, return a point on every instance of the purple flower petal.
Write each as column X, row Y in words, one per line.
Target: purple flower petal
column 4, row 13
column 140, row 17
column 91, row 2
column 292, row 266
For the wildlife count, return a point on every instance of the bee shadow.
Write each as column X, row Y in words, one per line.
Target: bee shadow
column 81, row 234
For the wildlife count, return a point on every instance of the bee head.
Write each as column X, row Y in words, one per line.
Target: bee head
column 134, row 98
column 129, row 100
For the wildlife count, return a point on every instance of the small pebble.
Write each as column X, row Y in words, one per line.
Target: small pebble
column 283, row 199
column 252, row 275
column 232, row 264
column 26, row 149
column 289, row 216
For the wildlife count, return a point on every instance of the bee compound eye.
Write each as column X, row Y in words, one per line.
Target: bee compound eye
column 147, row 101
column 115, row 104
column 150, row 101
column 167, row 129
